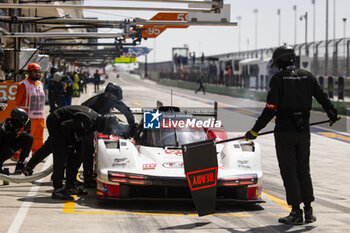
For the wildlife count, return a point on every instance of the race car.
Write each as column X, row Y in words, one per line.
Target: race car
column 151, row 165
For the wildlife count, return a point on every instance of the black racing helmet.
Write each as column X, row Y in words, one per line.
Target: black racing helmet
column 283, row 56
column 115, row 90
column 19, row 117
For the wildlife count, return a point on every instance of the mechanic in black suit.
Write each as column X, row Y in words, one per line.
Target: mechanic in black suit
column 66, row 126
column 103, row 103
column 15, row 135
column 290, row 100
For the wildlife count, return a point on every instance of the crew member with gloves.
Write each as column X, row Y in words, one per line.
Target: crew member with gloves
column 290, row 100
column 102, row 104
column 31, row 97
column 65, row 126
column 14, row 135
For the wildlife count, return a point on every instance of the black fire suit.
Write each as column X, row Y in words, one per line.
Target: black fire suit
column 102, row 104
column 65, row 126
column 290, row 100
column 13, row 139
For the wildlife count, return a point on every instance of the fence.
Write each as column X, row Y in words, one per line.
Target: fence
column 252, row 69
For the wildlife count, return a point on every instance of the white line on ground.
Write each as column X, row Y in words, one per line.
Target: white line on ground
column 22, row 212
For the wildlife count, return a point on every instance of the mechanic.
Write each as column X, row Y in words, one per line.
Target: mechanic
column 102, row 104
column 66, row 125
column 31, row 97
column 111, row 98
column 14, row 135
column 290, row 100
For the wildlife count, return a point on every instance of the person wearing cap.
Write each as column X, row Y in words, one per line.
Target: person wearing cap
column 31, row 97
column 14, row 135
column 56, row 90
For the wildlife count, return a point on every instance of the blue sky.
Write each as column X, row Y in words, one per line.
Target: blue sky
column 216, row 40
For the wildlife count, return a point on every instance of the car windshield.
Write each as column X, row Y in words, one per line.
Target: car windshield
column 172, row 137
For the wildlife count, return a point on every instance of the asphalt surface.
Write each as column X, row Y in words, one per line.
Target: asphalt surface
column 29, row 207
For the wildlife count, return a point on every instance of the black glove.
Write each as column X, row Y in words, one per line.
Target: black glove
column 333, row 116
column 251, row 135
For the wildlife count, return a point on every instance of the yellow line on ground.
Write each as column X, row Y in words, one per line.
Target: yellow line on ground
column 135, row 213
column 278, row 201
column 140, row 213
column 68, row 207
column 138, row 104
column 334, row 135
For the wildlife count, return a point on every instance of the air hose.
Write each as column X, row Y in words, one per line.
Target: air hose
column 26, row 179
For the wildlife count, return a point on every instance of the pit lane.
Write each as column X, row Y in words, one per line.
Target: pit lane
column 29, row 208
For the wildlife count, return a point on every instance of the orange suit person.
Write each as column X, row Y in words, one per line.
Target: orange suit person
column 31, row 97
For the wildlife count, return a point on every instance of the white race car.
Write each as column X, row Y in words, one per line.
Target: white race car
column 151, row 165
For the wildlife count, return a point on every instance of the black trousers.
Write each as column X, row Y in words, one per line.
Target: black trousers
column 40, row 155
column 96, row 87
column 293, row 154
column 201, row 87
column 61, row 155
column 88, row 155
column 24, row 141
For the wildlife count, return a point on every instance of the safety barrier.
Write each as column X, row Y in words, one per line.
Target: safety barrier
column 245, row 93
column 338, row 87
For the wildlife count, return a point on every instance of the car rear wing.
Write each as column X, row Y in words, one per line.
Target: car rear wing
column 196, row 112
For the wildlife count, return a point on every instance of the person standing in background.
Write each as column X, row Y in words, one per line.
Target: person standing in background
column 97, row 80
column 31, row 97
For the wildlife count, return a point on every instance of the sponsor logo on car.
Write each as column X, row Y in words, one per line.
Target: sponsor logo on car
column 149, row 166
column 173, row 165
column 173, row 152
column 202, row 179
column 102, row 188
